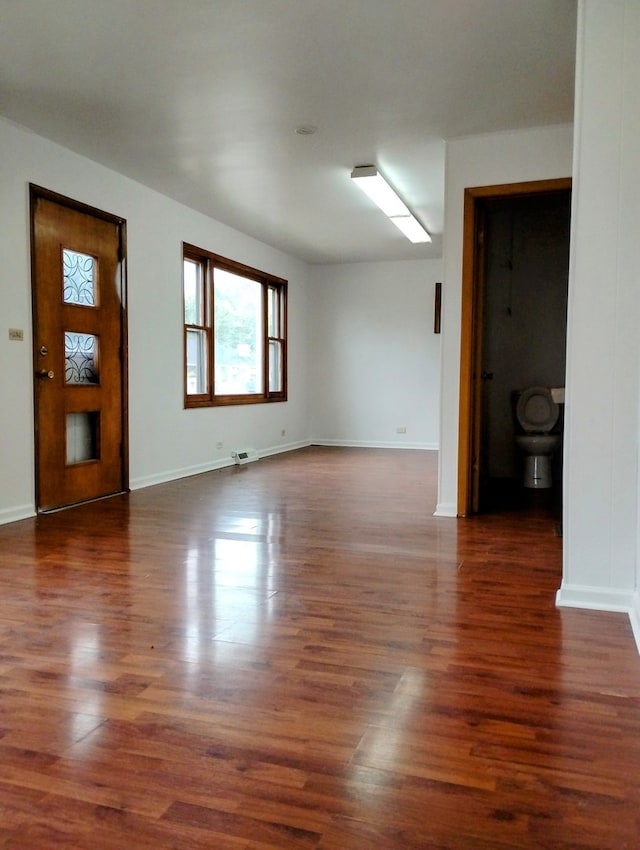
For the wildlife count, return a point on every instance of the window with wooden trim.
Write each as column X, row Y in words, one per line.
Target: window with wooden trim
column 235, row 340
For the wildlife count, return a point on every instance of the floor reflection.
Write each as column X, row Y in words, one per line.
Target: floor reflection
column 302, row 656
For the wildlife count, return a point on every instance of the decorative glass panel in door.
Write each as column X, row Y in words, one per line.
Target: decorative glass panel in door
column 79, row 278
column 81, row 358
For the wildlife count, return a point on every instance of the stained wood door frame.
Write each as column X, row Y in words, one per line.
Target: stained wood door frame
column 469, row 428
column 37, row 193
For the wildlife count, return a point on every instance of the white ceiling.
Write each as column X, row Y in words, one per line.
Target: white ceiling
column 200, row 99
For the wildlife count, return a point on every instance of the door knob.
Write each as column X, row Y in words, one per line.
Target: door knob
column 45, row 374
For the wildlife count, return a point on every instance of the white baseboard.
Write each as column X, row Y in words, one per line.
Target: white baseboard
column 185, row 472
column 17, row 513
column 634, row 617
column 594, row 598
column 603, row 599
column 174, row 474
column 374, row 444
column 446, row 509
column 288, row 447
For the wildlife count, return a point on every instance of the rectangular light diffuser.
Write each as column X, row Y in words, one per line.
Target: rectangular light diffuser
column 373, row 184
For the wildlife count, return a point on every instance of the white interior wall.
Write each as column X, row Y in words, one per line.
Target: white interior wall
column 376, row 361
column 166, row 441
column 377, row 316
column 510, row 157
column 601, row 481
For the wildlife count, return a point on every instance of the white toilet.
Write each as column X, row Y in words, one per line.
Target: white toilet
column 537, row 413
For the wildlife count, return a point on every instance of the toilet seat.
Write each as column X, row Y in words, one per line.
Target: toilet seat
column 537, row 412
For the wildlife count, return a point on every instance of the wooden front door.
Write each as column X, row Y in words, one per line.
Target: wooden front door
column 79, row 352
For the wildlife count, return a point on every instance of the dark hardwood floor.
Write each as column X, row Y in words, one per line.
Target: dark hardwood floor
column 297, row 654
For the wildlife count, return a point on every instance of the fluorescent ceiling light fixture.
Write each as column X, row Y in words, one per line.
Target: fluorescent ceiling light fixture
column 411, row 228
column 373, row 184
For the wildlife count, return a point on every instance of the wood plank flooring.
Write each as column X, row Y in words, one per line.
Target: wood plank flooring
column 297, row 654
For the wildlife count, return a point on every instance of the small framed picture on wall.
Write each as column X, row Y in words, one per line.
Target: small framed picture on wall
column 437, row 308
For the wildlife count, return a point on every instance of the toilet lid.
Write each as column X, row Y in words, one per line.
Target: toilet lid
column 536, row 410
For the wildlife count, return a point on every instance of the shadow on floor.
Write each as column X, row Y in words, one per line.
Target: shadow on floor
column 498, row 495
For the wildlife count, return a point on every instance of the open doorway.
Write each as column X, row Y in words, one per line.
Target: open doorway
column 515, row 276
